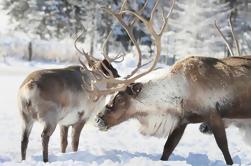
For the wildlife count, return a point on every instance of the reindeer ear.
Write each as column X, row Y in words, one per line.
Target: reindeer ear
column 134, row 89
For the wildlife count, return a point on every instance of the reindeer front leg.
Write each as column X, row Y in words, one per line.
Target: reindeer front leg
column 76, row 130
column 218, row 129
column 172, row 141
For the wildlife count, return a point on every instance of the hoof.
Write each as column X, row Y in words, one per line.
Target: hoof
column 230, row 162
column 163, row 158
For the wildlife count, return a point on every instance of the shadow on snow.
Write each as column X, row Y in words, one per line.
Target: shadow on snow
column 119, row 156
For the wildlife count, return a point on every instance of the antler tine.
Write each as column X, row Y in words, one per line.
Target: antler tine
column 129, row 30
column 140, row 12
column 224, row 38
column 90, row 59
column 107, row 38
column 123, row 5
column 81, row 52
column 115, row 59
column 129, row 25
column 165, row 19
column 232, row 31
column 103, row 48
column 153, row 10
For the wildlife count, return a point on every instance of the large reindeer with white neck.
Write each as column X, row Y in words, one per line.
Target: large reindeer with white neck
column 194, row 90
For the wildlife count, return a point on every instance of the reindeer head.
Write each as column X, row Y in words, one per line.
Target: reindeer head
column 117, row 108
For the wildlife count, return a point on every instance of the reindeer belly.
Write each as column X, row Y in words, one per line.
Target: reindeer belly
column 74, row 116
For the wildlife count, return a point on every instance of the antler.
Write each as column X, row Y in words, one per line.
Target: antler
column 232, row 31
column 224, row 38
column 122, row 84
column 90, row 59
column 233, row 35
column 130, row 25
column 94, row 64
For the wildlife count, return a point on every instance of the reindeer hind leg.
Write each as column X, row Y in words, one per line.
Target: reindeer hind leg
column 218, row 129
column 26, row 129
column 47, row 132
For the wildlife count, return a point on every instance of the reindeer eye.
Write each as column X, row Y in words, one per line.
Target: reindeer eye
column 108, row 108
column 119, row 98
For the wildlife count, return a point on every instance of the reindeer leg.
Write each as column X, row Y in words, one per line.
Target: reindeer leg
column 172, row 141
column 63, row 137
column 76, row 130
column 47, row 132
column 27, row 126
column 219, row 132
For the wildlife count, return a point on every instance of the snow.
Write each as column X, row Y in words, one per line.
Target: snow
column 122, row 145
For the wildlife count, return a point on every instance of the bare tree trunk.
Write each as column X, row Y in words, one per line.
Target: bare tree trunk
column 30, row 51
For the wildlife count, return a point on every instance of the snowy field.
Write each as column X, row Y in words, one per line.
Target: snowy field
column 122, row 145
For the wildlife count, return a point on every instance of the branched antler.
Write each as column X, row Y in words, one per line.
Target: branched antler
column 121, row 84
column 224, row 38
column 232, row 31
column 233, row 35
column 130, row 26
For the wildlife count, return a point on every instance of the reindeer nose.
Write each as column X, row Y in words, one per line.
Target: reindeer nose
column 100, row 122
column 99, row 118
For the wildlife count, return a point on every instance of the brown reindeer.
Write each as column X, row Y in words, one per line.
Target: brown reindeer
column 57, row 96
column 195, row 90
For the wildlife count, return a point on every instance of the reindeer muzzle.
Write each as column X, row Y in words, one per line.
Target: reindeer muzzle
column 100, row 123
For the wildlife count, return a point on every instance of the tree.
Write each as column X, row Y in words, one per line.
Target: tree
column 193, row 24
column 51, row 18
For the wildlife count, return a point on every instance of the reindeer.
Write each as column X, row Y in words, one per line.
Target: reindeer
column 57, row 96
column 195, row 89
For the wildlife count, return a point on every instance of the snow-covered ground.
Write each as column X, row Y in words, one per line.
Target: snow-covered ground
column 122, row 145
